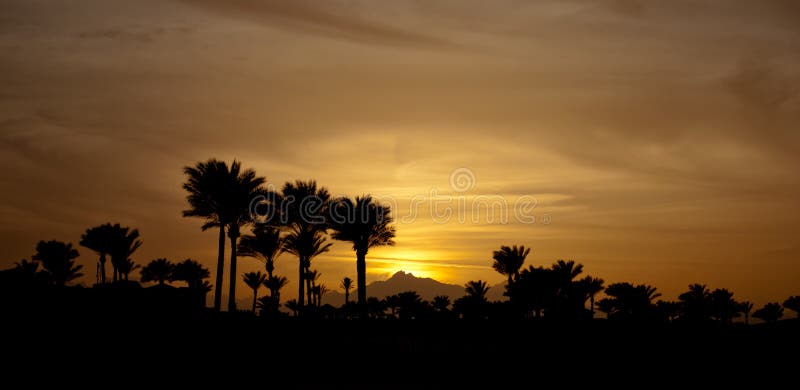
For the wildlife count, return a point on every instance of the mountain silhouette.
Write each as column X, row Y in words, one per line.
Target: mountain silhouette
column 401, row 281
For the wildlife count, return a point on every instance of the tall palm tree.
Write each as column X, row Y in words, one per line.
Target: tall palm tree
column 746, row 307
column 222, row 196
column 275, row 284
column 508, row 260
column 206, row 183
column 591, row 287
column 312, row 276
column 254, row 280
column 159, row 271
column 58, row 261
column 243, row 188
column 123, row 243
column 366, row 224
column 476, row 289
column 303, row 210
column 265, row 243
column 347, row 285
column 305, row 243
column 99, row 239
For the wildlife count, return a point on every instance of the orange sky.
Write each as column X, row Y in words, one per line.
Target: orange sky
column 660, row 138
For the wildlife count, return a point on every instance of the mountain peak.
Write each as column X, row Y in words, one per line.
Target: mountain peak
column 402, row 274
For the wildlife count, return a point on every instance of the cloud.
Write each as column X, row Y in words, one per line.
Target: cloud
column 338, row 20
column 761, row 86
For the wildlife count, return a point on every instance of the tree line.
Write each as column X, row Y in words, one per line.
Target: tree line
column 303, row 217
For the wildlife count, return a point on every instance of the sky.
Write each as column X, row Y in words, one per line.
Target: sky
column 654, row 142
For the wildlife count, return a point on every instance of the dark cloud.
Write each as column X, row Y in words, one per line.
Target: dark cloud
column 763, row 87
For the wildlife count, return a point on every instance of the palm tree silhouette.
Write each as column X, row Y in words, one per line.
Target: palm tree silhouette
column 57, row 259
column 304, row 206
column 275, row 284
column 222, row 196
column 477, row 290
column 365, row 224
column 793, row 304
column 27, row 272
column 254, row 280
column 126, row 267
column 158, row 270
column 294, row 306
column 393, row 303
column 347, row 285
column 508, row 261
column 311, row 285
column 746, row 307
column 265, row 243
column 696, row 303
column 99, row 239
column 566, row 271
column 723, row 307
column 319, row 291
column 668, row 310
column 123, row 243
column 265, row 305
column 592, row 286
column 626, row 301
column 191, row 272
column 409, row 304
column 306, row 243
column 441, row 303
column 771, row 312
column 243, row 188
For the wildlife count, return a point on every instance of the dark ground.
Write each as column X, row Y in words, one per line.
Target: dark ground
column 187, row 348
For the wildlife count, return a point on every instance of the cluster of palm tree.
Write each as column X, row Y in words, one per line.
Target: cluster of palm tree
column 557, row 293
column 57, row 262
column 274, row 284
column 553, row 291
column 118, row 243
column 163, row 272
column 295, row 220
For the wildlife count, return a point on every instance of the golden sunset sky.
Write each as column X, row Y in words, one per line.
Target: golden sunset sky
column 660, row 138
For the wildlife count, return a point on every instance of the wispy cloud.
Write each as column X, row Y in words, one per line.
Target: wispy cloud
column 337, row 20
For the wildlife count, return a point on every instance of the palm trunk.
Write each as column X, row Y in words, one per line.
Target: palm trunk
column 309, row 291
column 102, row 268
column 220, row 269
column 232, row 287
column 346, row 296
column 361, row 269
column 255, row 296
column 591, row 305
column 747, row 318
column 301, row 286
column 509, row 280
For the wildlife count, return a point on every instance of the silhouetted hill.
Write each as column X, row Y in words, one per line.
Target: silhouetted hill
column 401, row 281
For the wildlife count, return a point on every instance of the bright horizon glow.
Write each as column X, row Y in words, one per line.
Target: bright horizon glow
column 660, row 137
